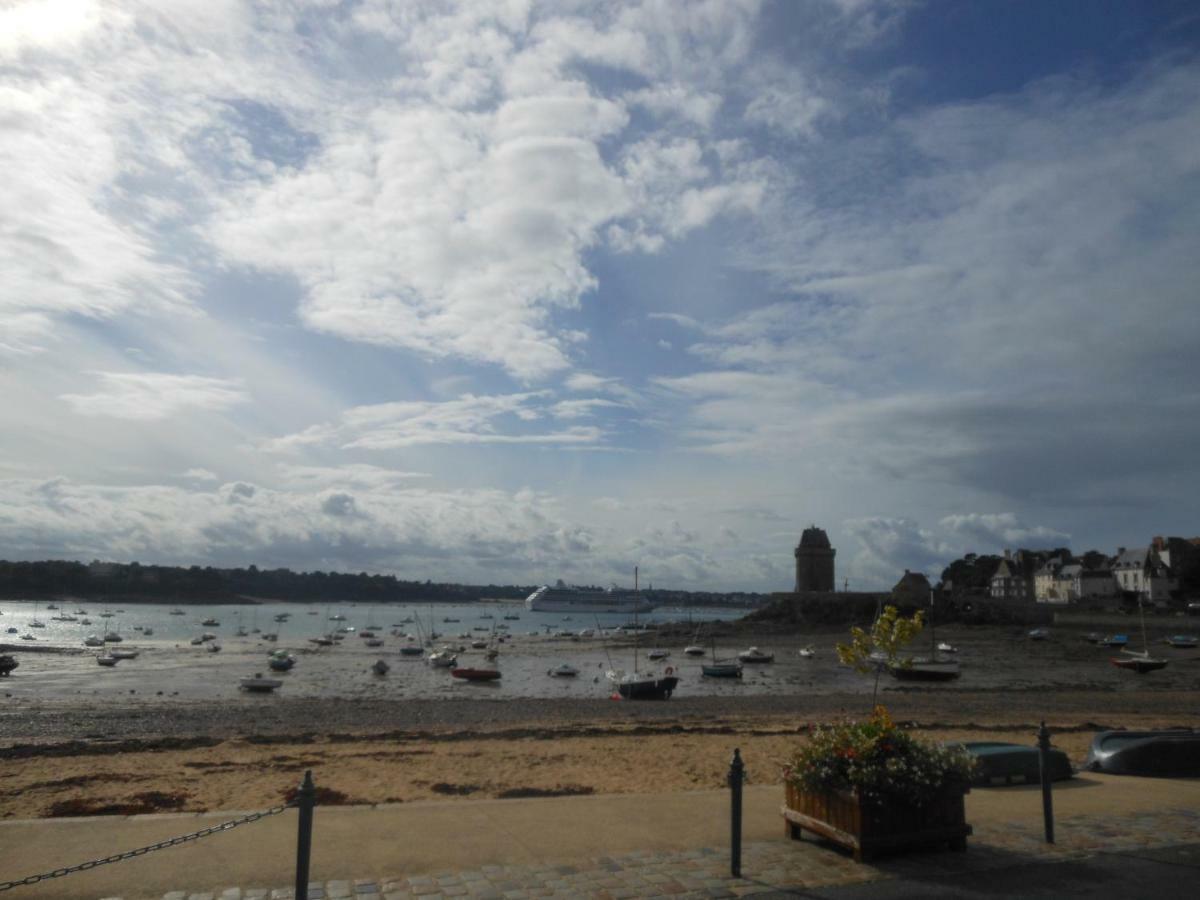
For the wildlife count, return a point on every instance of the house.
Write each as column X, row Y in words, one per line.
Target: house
column 913, row 589
column 1095, row 584
column 1048, row 586
column 1142, row 572
column 1013, row 579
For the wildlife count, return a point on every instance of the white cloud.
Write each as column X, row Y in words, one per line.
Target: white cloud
column 348, row 475
column 466, row 420
column 992, row 531
column 147, row 396
column 199, row 474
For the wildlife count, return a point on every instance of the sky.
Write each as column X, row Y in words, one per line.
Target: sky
column 507, row 292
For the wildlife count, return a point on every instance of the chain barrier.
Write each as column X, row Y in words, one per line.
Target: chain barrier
column 142, row 851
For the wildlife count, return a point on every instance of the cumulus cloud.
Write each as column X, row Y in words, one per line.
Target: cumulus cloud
column 148, row 396
column 455, row 219
column 996, row 530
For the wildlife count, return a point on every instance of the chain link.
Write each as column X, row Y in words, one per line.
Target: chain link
column 142, row 851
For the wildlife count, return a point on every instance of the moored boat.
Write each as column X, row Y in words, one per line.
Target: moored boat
column 380, row 667
column 644, row 685
column 1182, row 641
column 475, row 674
column 926, row 669
column 722, row 669
column 444, row 658
column 260, row 684
column 754, row 655
column 1138, row 662
column 563, row 670
column 8, row 663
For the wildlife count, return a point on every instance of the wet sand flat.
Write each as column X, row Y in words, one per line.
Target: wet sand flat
column 171, row 731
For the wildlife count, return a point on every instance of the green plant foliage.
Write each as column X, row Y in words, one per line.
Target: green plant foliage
column 878, row 762
column 883, row 643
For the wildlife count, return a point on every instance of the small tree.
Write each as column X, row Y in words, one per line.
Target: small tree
column 881, row 647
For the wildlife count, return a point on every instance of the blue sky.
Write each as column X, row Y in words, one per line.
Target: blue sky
column 517, row 291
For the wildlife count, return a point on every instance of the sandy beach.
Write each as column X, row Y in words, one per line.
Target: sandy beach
column 74, row 745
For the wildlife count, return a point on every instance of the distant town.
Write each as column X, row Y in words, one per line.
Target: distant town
column 1165, row 573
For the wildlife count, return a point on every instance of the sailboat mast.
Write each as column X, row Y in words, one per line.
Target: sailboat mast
column 1142, row 616
column 932, row 629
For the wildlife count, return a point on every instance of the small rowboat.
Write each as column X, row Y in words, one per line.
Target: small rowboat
column 1183, row 641
column 1165, row 754
column 469, row 674
column 106, row 660
column 564, row 671
column 380, row 667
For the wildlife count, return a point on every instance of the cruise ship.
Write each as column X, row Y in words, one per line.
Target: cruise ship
column 562, row 598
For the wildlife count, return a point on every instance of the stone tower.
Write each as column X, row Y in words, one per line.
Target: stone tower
column 814, row 562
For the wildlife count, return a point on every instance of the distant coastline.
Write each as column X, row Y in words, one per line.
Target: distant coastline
column 109, row 582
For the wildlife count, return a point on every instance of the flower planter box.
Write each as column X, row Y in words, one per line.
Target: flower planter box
column 865, row 829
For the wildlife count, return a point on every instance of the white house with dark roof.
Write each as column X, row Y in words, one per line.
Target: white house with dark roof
column 1141, row 572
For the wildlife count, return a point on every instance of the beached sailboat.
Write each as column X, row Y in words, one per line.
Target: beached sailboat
column 720, row 668
column 929, row 668
column 1140, row 661
column 639, row 685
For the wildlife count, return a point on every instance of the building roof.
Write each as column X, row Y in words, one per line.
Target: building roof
column 814, row 538
column 1130, row 559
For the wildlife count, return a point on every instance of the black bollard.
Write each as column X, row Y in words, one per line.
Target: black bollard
column 737, row 774
column 1044, row 767
column 306, row 799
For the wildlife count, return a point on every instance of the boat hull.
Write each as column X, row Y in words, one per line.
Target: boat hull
column 1141, row 666
column 722, row 670
column 1167, row 754
column 648, row 689
column 926, row 671
column 589, row 606
column 475, row 674
column 571, row 600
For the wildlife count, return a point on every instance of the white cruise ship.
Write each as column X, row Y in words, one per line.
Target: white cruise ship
column 562, row 598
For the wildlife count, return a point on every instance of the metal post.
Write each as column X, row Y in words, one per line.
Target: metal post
column 1044, row 767
column 737, row 774
column 306, row 799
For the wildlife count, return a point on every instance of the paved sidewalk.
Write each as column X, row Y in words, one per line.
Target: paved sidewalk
column 604, row 847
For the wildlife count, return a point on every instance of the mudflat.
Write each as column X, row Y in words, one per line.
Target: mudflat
column 76, row 744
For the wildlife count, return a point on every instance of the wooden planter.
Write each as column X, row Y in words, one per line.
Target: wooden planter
column 866, row 829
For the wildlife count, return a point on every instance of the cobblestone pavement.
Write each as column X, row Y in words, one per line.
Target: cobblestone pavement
column 767, row 866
